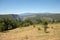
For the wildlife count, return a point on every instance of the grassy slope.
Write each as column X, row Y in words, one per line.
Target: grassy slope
column 31, row 33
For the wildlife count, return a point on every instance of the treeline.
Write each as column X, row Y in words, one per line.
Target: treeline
column 8, row 24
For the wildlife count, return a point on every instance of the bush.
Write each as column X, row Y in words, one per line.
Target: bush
column 7, row 24
column 25, row 23
column 45, row 23
column 34, row 26
column 1, row 28
column 39, row 28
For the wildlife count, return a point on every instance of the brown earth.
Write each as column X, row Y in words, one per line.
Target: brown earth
column 32, row 33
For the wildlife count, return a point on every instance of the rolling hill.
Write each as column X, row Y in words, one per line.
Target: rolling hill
column 33, row 16
column 41, row 16
column 11, row 16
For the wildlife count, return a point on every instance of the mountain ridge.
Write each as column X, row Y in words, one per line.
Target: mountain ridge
column 24, row 16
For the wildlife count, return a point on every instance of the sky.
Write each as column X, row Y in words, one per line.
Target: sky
column 29, row 6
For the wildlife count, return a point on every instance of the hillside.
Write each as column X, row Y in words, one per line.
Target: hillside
column 33, row 16
column 25, row 31
column 32, row 33
column 11, row 16
column 41, row 16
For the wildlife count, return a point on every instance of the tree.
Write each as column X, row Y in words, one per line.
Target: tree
column 7, row 23
column 53, row 21
column 45, row 23
column 26, row 23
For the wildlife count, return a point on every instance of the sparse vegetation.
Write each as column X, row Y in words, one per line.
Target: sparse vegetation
column 39, row 28
column 10, row 23
column 34, row 26
column 30, row 33
column 26, row 37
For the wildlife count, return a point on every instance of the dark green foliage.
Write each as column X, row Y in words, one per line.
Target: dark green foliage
column 7, row 24
column 39, row 21
column 53, row 21
column 26, row 23
column 1, row 28
column 45, row 23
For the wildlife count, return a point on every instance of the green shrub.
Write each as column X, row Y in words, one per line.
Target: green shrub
column 1, row 28
column 45, row 23
column 25, row 23
column 7, row 24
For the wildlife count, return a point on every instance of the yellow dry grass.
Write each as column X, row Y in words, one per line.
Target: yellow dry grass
column 32, row 33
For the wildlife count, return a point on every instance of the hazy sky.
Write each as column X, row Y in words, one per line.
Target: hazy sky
column 29, row 6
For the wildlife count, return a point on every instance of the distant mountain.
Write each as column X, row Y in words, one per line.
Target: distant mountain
column 41, row 16
column 25, row 15
column 32, row 16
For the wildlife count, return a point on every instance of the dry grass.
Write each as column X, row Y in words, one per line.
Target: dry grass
column 32, row 33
